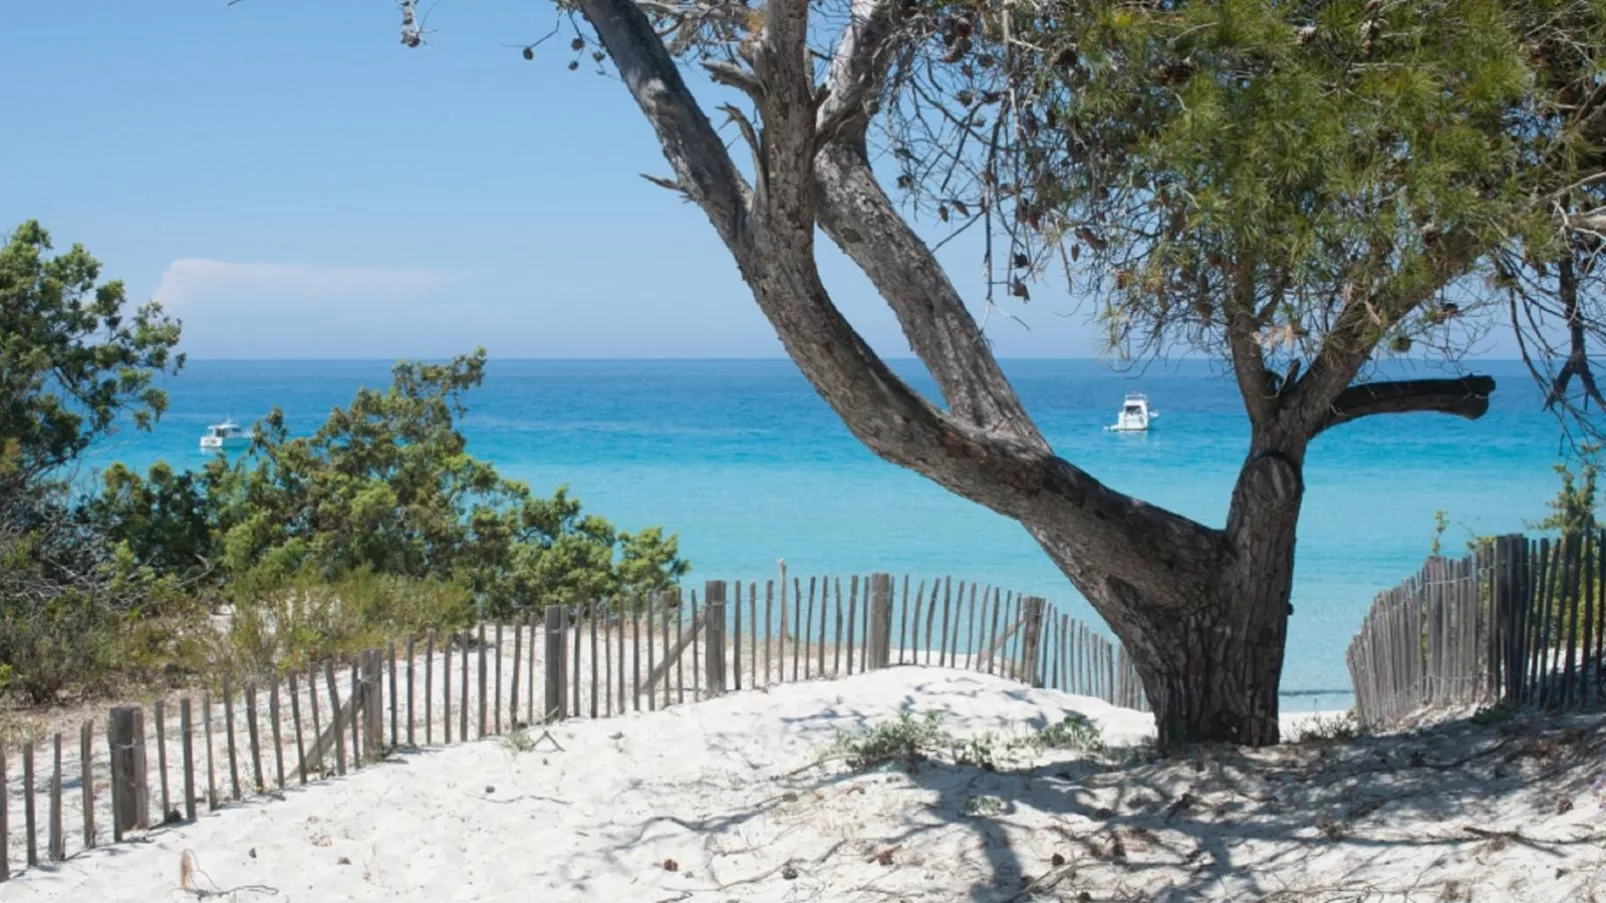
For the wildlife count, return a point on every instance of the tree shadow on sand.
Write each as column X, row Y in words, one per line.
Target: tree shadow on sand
column 1397, row 817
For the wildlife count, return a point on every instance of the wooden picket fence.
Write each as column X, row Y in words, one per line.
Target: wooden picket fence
column 258, row 738
column 1518, row 621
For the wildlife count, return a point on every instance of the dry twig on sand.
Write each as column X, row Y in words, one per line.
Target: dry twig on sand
column 188, row 869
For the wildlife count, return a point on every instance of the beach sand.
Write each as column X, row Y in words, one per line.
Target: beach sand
column 728, row 800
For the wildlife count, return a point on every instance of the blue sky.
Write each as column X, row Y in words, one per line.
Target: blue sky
column 292, row 182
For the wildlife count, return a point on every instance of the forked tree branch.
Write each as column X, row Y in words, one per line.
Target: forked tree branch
column 858, row 72
column 862, row 221
column 1467, row 396
column 999, row 462
column 1577, row 343
column 783, row 69
column 1363, row 322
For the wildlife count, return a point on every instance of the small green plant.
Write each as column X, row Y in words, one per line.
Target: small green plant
column 1572, row 511
column 1441, row 522
column 1491, row 714
column 1074, row 731
column 908, row 739
column 518, row 741
column 913, row 738
column 1340, row 728
column 980, row 751
column 983, row 805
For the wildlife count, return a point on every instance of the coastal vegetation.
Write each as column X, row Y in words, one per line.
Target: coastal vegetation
column 377, row 525
column 1300, row 189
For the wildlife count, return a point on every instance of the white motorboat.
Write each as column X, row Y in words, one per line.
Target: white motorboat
column 1136, row 415
column 226, row 436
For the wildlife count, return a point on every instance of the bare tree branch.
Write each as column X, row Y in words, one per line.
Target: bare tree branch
column 1467, row 396
column 732, row 75
column 992, row 454
column 863, row 222
column 858, row 72
column 1364, row 320
column 860, row 218
column 694, row 150
column 787, row 106
column 662, row 182
column 1577, row 343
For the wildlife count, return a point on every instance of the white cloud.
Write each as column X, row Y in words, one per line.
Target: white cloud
column 276, row 310
column 299, row 310
column 194, row 282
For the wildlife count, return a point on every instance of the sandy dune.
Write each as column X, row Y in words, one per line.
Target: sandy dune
column 729, row 791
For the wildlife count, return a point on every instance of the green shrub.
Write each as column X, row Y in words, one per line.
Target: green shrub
column 282, row 623
column 1493, row 714
column 385, row 485
column 913, row 738
column 983, row 805
column 908, row 739
column 1074, row 731
column 78, row 620
column 518, row 741
column 1339, row 728
column 82, row 641
column 982, row 750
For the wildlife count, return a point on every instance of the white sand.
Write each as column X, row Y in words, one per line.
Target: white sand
column 724, row 788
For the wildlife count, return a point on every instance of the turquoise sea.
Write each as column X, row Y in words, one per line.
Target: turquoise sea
column 748, row 465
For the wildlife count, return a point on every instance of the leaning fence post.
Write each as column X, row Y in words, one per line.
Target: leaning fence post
column 555, row 664
column 125, row 734
column 714, row 635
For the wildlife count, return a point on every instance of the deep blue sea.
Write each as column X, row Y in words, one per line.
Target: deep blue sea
column 747, row 464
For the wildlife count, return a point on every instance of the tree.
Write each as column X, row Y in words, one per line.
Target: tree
column 74, row 361
column 167, row 520
column 384, row 488
column 1299, row 187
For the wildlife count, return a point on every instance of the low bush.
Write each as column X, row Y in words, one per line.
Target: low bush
column 911, row 739
column 279, row 624
column 1074, row 731
column 1339, row 728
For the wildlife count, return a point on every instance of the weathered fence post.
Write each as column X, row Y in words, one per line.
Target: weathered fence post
column 556, row 654
column 189, row 765
column 714, row 632
column 375, row 704
column 58, row 834
column 125, row 734
column 1031, row 638
column 879, row 654
column 1505, row 657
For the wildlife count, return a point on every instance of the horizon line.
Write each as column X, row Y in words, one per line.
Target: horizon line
column 190, row 358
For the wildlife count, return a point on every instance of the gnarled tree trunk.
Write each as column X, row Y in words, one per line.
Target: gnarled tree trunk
column 1205, row 625
column 1202, row 611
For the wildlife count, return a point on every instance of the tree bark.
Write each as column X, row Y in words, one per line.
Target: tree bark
column 1211, row 672
column 1205, row 628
